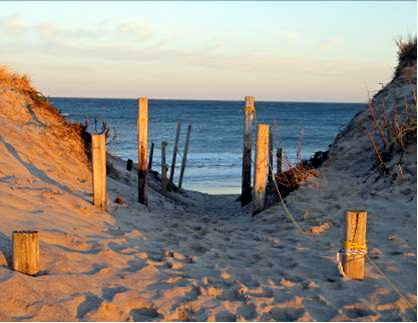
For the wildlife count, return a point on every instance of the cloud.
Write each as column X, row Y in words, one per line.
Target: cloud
column 12, row 24
column 15, row 25
column 329, row 44
column 139, row 31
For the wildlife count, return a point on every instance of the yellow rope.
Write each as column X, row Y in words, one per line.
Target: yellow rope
column 357, row 246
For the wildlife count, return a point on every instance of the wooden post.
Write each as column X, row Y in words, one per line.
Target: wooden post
column 26, row 252
column 151, row 156
column 186, row 150
column 260, row 168
column 99, row 170
column 142, row 150
column 163, row 166
column 129, row 165
column 279, row 160
column 173, row 160
column 246, row 154
column 270, row 162
column 355, row 239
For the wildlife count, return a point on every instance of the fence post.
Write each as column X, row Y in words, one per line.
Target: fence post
column 279, row 160
column 173, row 160
column 151, row 156
column 246, row 154
column 142, row 150
column 271, row 160
column 355, row 244
column 129, row 165
column 26, row 252
column 260, row 168
column 99, row 170
column 186, row 150
column 163, row 166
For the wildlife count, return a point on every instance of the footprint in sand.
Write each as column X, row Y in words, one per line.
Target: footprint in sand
column 287, row 314
column 145, row 314
column 135, row 265
column 320, row 308
column 109, row 292
column 357, row 312
column 247, row 311
column 225, row 316
column 91, row 303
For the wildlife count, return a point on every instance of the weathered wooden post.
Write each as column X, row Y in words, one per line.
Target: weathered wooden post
column 279, row 160
column 260, row 168
column 129, row 165
column 270, row 162
column 173, row 160
column 163, row 166
column 99, row 170
column 151, row 156
column 142, row 150
column 355, row 247
column 186, row 150
column 26, row 252
column 249, row 114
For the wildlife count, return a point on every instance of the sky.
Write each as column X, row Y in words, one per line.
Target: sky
column 279, row 51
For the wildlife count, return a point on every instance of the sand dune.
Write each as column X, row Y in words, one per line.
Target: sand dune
column 192, row 256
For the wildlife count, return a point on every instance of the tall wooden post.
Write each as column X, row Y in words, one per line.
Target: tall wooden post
column 173, row 160
column 260, row 168
column 270, row 162
column 279, row 160
column 249, row 114
column 163, row 166
column 98, row 143
column 186, row 150
column 26, row 252
column 142, row 150
column 151, row 156
column 355, row 244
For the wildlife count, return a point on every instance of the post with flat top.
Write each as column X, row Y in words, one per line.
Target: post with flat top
column 142, row 150
column 260, row 168
column 163, row 166
column 98, row 144
column 355, row 244
column 173, row 160
column 26, row 252
column 249, row 114
column 185, row 152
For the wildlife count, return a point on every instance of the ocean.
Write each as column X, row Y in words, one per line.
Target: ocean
column 215, row 153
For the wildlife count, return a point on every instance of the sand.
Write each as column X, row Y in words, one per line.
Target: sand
column 192, row 256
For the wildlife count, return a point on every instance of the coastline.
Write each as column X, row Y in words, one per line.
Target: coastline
column 197, row 257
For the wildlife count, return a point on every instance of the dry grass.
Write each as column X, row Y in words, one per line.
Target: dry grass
column 39, row 104
column 296, row 174
column 396, row 131
column 407, row 53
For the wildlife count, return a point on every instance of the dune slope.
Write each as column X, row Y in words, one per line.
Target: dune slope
column 192, row 256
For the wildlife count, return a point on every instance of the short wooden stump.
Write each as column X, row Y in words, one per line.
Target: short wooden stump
column 26, row 251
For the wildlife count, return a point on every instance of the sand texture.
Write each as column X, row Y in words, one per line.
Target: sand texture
column 192, row 256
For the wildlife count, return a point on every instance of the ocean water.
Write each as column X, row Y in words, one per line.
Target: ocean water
column 214, row 159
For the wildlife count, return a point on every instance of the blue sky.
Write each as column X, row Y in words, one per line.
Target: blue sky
column 299, row 51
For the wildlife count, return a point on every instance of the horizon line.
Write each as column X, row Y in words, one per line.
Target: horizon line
column 224, row 100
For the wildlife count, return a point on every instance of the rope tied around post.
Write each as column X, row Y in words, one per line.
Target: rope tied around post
column 350, row 248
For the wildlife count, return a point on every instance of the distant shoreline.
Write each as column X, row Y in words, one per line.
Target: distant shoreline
column 207, row 100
